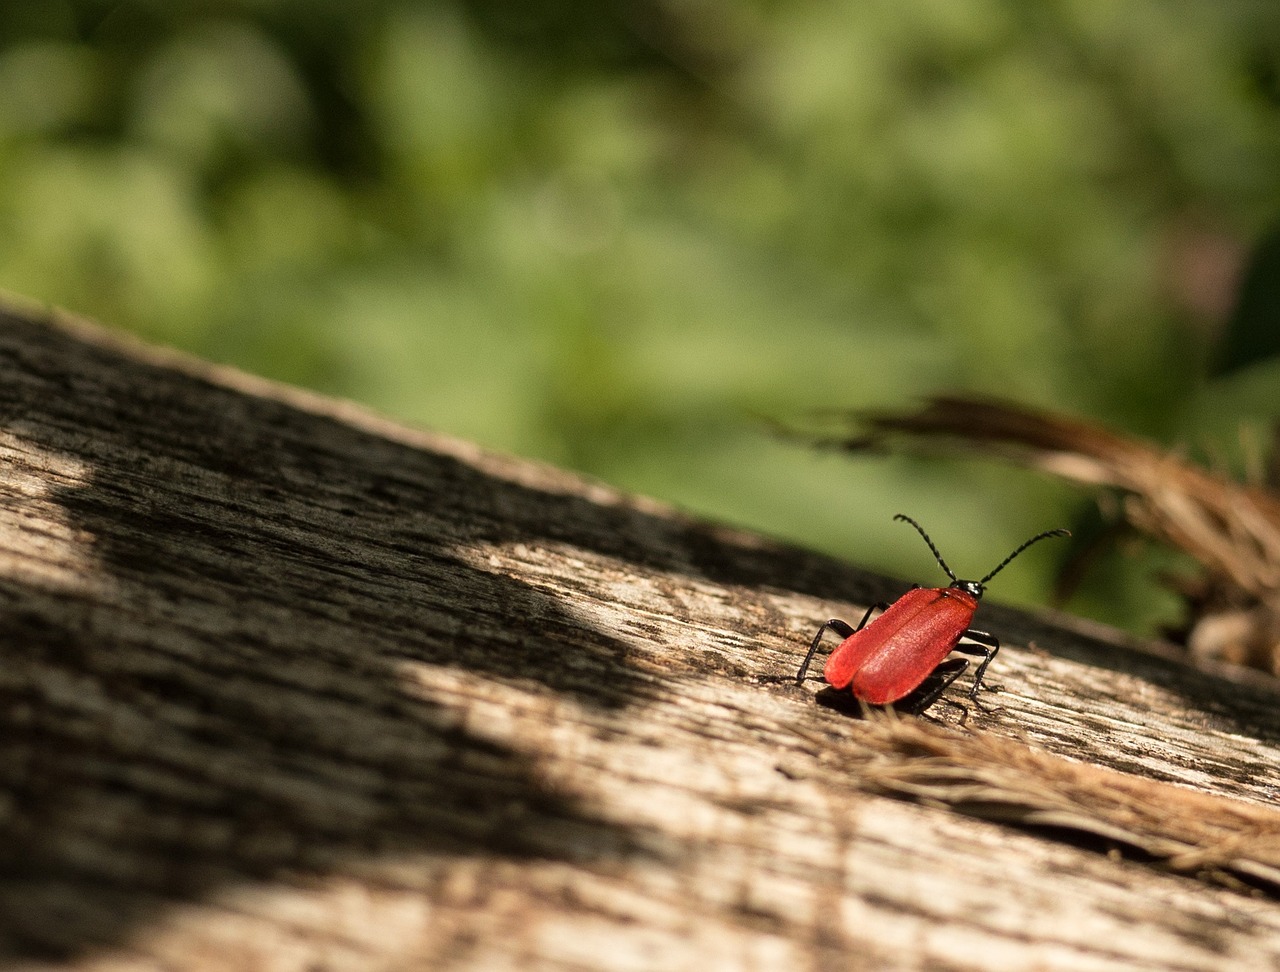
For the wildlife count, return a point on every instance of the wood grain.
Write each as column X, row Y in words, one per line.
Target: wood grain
column 287, row 686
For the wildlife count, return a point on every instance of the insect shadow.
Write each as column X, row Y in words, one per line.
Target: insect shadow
column 923, row 702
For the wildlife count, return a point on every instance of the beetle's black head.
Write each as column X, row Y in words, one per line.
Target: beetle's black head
column 973, row 588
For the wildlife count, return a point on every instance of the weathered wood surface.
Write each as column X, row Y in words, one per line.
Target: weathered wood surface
column 285, row 686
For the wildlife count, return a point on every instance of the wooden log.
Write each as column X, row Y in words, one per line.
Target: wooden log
column 287, row 686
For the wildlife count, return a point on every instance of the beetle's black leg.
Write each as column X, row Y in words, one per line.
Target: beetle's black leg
column 839, row 627
column 986, row 646
column 835, row 624
column 878, row 606
column 941, row 677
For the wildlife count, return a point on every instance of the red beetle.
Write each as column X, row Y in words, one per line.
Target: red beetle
column 888, row 659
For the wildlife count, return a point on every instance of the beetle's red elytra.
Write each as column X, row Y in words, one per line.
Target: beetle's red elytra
column 887, row 660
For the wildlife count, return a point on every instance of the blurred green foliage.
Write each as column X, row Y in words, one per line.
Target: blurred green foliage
column 607, row 235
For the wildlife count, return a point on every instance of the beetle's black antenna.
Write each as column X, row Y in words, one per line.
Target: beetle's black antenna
column 942, row 563
column 1038, row 537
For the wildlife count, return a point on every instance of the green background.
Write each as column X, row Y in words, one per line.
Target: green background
column 610, row 235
